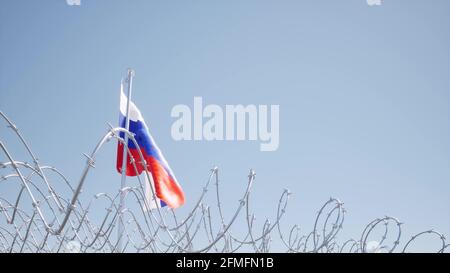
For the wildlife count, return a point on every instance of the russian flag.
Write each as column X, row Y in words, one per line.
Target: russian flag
column 167, row 190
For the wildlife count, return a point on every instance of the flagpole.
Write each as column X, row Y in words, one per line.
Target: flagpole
column 124, row 161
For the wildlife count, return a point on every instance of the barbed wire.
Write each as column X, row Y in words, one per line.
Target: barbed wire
column 41, row 219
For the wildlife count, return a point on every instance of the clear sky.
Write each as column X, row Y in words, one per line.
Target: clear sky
column 364, row 95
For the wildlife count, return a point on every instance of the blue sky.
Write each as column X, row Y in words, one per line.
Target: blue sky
column 364, row 96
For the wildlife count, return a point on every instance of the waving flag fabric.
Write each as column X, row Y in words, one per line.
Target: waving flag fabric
column 168, row 191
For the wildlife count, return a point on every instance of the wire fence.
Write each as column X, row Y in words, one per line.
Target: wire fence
column 40, row 218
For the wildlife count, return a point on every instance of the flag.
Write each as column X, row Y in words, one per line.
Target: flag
column 165, row 185
column 152, row 201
